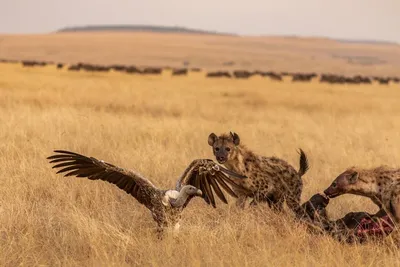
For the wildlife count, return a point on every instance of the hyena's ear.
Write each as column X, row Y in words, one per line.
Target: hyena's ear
column 236, row 139
column 353, row 177
column 212, row 138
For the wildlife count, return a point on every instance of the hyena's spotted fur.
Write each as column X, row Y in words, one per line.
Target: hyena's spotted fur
column 380, row 184
column 270, row 179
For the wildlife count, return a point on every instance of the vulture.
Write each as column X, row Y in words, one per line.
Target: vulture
column 202, row 178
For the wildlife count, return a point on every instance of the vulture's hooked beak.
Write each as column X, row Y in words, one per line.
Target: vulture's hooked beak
column 199, row 193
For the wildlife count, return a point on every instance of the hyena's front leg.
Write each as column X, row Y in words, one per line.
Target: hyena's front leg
column 241, row 201
column 395, row 207
column 242, row 197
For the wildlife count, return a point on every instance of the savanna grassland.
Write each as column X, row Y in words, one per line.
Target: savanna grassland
column 157, row 125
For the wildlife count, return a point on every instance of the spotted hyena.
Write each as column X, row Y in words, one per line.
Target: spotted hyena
column 270, row 179
column 380, row 184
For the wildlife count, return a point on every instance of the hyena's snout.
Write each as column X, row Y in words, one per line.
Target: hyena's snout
column 221, row 159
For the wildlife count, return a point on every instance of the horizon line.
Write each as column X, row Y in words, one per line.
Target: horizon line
column 189, row 30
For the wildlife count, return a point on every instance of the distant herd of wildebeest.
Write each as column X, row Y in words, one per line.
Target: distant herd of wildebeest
column 237, row 74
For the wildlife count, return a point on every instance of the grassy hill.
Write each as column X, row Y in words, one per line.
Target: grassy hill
column 139, row 28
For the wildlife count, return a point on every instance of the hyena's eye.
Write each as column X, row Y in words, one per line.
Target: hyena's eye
column 334, row 184
column 217, row 149
column 228, row 149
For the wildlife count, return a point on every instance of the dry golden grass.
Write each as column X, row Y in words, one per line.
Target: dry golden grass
column 157, row 125
column 206, row 51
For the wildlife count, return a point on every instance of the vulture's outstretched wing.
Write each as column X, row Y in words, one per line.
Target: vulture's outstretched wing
column 209, row 177
column 74, row 164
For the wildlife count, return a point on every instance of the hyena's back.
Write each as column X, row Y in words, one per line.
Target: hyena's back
column 274, row 180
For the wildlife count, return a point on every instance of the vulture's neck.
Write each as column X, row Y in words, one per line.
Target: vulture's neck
column 177, row 199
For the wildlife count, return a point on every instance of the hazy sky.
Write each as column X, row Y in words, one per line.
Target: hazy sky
column 355, row 19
